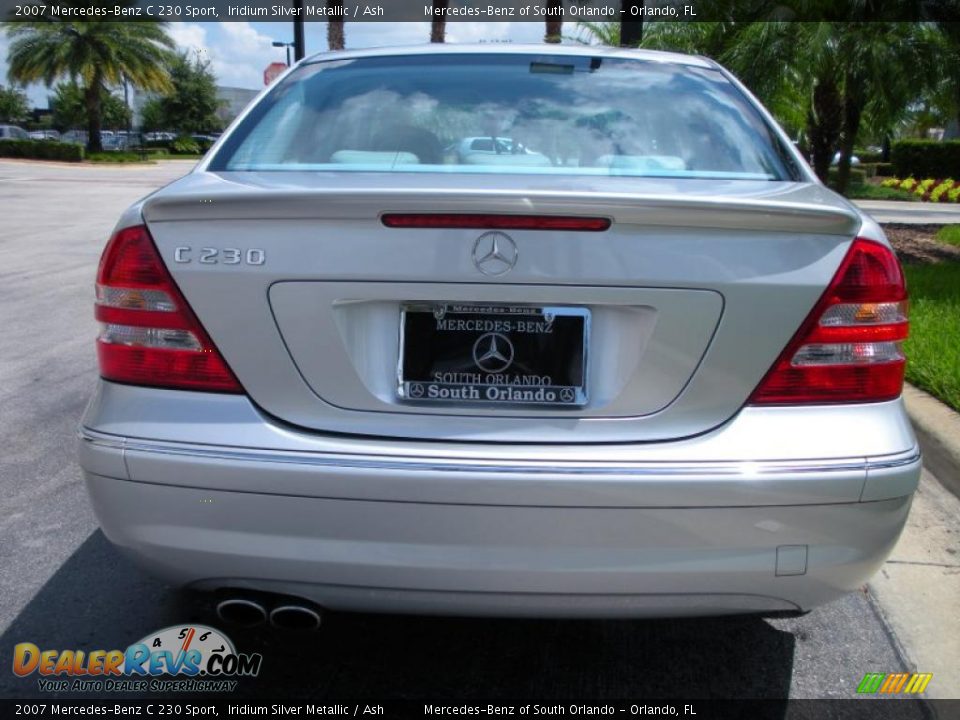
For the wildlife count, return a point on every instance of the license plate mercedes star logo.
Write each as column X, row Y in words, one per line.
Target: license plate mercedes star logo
column 493, row 352
column 495, row 253
column 416, row 390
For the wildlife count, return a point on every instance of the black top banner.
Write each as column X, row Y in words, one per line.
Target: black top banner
column 483, row 10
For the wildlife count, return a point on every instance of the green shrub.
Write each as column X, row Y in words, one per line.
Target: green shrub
column 115, row 157
column 926, row 158
column 867, row 191
column 857, row 177
column 876, row 169
column 868, row 157
column 41, row 150
column 185, row 145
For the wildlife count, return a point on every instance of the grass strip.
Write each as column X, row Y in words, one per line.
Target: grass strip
column 933, row 349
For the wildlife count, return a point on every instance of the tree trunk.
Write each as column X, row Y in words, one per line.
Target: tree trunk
column 631, row 29
column 438, row 25
column 93, row 98
column 335, row 35
column 554, row 22
column 852, row 113
column 823, row 124
column 299, row 42
column 956, row 87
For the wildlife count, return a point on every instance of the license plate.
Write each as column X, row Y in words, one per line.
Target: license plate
column 493, row 354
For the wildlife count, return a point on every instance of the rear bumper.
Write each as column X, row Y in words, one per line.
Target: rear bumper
column 523, row 530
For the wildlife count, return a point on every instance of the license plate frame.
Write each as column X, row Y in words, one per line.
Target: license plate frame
column 491, row 388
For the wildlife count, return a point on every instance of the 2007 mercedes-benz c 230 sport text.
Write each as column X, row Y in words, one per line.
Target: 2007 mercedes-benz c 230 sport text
column 502, row 330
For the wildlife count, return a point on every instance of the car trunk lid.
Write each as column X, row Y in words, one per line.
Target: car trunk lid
column 691, row 293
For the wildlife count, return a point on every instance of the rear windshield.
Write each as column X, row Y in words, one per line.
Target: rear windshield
column 498, row 114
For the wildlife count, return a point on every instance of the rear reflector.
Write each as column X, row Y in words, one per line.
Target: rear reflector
column 148, row 333
column 497, row 222
column 849, row 349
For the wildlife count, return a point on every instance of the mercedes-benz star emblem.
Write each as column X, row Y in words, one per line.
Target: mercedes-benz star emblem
column 567, row 394
column 495, row 253
column 493, row 352
column 416, row 390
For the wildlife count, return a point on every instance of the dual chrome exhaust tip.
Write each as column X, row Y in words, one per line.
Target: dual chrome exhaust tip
column 248, row 613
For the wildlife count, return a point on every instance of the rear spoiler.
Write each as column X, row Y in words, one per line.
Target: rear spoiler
column 803, row 208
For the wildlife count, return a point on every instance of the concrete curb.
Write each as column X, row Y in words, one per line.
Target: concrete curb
column 938, row 430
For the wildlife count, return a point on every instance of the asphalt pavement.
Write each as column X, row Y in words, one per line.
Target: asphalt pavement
column 62, row 585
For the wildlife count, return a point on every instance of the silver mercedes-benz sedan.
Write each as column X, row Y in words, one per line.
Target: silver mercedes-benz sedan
column 630, row 358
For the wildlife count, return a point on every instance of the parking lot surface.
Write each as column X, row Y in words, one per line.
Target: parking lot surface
column 64, row 586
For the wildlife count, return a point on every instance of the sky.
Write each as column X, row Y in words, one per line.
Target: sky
column 239, row 51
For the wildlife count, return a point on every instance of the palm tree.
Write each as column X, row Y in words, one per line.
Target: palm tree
column 335, row 34
column 599, row 33
column 438, row 23
column 100, row 54
column 889, row 65
column 794, row 68
column 948, row 91
column 849, row 71
column 554, row 21
column 822, row 79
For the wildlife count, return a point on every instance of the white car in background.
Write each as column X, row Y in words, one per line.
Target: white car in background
column 854, row 160
column 496, row 151
column 12, row 132
column 44, row 135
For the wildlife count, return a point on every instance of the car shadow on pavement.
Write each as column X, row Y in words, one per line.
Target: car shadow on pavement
column 99, row 600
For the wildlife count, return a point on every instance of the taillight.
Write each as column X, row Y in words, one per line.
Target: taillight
column 148, row 333
column 849, row 349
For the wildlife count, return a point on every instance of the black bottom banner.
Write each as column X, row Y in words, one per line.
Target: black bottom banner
column 859, row 709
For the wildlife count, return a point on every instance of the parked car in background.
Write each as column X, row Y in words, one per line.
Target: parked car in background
column 159, row 136
column 12, row 132
column 115, row 140
column 45, row 135
column 74, row 136
column 854, row 160
column 652, row 369
column 109, row 139
column 477, row 150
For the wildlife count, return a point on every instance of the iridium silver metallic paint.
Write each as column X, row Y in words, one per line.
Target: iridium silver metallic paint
column 662, row 495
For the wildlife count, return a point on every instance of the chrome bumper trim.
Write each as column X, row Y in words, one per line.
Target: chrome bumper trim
column 532, row 467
